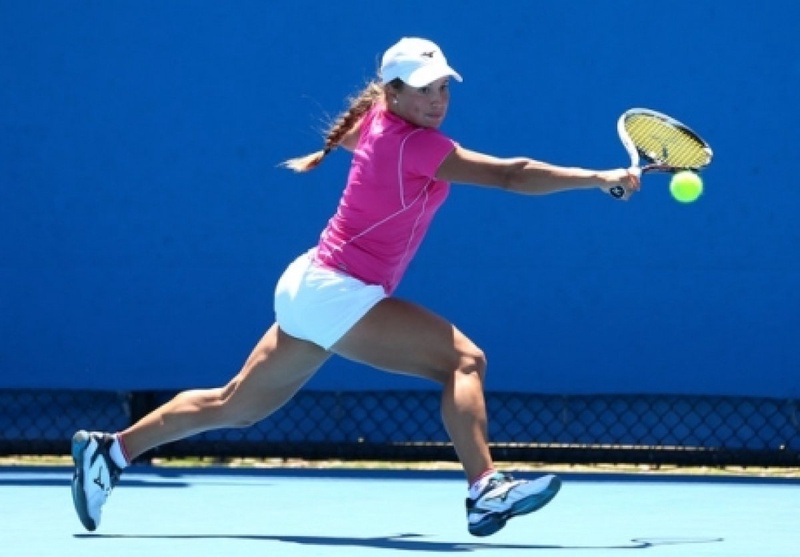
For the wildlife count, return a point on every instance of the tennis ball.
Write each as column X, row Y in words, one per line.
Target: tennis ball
column 686, row 186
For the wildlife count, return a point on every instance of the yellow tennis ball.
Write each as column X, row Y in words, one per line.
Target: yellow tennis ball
column 686, row 186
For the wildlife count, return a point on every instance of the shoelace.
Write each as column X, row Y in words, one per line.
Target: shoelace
column 497, row 479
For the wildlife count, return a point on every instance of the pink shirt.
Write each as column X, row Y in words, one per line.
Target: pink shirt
column 389, row 201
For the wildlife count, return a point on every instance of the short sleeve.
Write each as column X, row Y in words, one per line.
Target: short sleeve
column 425, row 150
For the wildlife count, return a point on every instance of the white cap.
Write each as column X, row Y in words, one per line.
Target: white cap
column 416, row 61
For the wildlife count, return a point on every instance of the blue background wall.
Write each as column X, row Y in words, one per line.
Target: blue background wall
column 143, row 219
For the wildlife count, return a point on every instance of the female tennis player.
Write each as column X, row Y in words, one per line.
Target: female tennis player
column 337, row 298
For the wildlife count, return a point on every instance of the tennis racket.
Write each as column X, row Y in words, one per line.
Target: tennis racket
column 658, row 143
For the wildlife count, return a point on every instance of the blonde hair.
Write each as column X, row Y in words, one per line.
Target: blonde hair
column 359, row 105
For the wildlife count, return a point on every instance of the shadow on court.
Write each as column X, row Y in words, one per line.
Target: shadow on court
column 405, row 542
column 62, row 482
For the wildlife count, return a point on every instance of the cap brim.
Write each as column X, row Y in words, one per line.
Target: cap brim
column 429, row 73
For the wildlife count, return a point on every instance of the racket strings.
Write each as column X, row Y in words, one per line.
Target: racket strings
column 664, row 143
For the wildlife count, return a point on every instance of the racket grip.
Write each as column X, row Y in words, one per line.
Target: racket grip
column 617, row 192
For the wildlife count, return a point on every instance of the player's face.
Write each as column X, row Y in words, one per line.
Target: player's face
column 423, row 106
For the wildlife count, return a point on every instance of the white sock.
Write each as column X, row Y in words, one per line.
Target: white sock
column 117, row 453
column 479, row 484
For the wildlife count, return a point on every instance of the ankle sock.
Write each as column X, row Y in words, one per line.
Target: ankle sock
column 478, row 485
column 118, row 453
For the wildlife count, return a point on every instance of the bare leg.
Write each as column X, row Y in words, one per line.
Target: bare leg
column 276, row 369
column 402, row 337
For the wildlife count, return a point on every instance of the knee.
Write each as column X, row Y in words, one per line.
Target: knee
column 473, row 362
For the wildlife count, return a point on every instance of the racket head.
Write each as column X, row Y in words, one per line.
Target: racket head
column 657, row 142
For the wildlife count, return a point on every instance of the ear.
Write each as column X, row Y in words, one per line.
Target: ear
column 391, row 90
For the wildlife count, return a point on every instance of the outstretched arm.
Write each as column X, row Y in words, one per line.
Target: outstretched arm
column 528, row 176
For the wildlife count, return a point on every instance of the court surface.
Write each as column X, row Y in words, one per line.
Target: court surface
column 290, row 513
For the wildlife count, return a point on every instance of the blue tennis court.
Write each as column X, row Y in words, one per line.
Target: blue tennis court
column 182, row 512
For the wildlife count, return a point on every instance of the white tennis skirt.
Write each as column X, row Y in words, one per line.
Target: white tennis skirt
column 320, row 305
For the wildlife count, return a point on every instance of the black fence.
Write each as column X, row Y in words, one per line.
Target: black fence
column 406, row 426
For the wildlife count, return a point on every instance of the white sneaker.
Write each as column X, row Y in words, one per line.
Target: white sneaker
column 504, row 498
column 95, row 476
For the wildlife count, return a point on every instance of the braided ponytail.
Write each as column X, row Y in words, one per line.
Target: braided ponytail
column 359, row 105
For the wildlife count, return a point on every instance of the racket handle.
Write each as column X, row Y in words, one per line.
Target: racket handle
column 618, row 192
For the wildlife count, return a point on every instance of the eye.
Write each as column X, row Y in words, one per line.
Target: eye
column 424, row 90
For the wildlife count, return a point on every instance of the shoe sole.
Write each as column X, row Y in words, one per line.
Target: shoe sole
column 493, row 523
column 79, row 443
